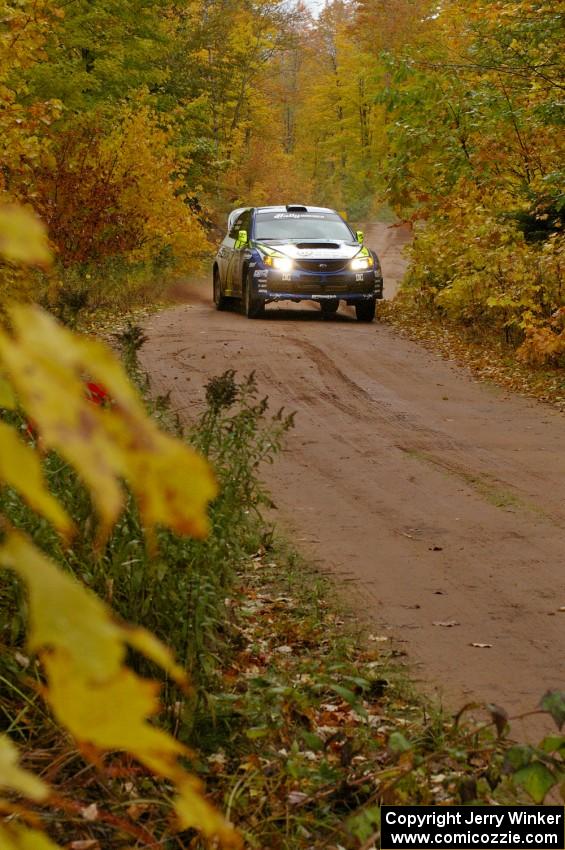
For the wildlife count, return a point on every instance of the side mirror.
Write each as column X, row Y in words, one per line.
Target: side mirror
column 360, row 236
column 241, row 239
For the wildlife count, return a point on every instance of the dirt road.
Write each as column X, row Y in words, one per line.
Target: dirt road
column 438, row 500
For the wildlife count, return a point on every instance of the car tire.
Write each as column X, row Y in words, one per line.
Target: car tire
column 329, row 308
column 253, row 307
column 365, row 311
column 219, row 300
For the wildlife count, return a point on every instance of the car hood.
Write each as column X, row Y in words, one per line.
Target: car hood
column 330, row 250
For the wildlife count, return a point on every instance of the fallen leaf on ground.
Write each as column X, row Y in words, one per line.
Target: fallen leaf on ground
column 90, row 812
column 481, row 645
column 296, row 797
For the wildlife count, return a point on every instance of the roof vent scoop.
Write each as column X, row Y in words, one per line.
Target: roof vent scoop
column 296, row 208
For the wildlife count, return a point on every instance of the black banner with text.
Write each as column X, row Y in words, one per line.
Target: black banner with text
column 476, row 827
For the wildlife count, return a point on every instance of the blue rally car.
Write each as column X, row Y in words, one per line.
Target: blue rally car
column 295, row 253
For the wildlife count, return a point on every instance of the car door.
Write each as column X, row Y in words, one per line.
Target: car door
column 240, row 251
column 225, row 256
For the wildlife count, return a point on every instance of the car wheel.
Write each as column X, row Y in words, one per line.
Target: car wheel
column 252, row 305
column 219, row 300
column 329, row 307
column 365, row 311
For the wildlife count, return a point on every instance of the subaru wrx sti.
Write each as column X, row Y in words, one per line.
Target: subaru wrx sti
column 295, row 253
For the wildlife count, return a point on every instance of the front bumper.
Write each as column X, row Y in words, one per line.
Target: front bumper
column 352, row 287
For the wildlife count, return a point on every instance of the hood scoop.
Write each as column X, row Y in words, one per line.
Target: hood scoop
column 318, row 246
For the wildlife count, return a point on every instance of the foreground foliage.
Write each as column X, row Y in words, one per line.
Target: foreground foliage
column 84, row 677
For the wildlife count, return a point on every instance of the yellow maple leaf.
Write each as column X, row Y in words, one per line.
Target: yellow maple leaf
column 52, row 394
column 7, row 397
column 80, row 623
column 47, row 364
column 92, row 693
column 14, row 778
column 112, row 714
column 21, row 469
column 23, row 238
column 16, row 837
column 194, row 811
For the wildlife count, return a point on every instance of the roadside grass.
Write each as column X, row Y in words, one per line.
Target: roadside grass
column 488, row 357
column 301, row 722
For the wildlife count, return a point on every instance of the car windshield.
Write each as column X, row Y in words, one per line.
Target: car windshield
column 301, row 225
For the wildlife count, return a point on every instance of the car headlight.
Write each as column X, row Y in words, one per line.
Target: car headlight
column 282, row 264
column 360, row 263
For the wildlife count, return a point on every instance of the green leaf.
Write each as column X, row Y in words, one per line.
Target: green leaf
column 364, row 825
column 313, row 742
column 397, row 743
column 553, row 744
column 554, row 703
column 536, row 779
column 345, row 694
column 257, row 732
column 364, row 684
column 518, row 757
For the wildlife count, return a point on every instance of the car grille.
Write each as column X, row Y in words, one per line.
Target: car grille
column 317, row 285
column 321, row 265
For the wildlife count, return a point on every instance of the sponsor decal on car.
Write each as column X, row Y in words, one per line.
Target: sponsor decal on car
column 299, row 215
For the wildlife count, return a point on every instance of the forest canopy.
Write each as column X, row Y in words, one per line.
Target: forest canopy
column 132, row 128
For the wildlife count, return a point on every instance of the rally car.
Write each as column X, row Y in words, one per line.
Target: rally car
column 295, row 253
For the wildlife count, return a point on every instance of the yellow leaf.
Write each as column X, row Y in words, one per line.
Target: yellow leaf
column 14, row 778
column 47, row 364
column 15, row 837
column 20, row 468
column 194, row 811
column 7, row 397
column 79, row 622
column 91, row 692
column 23, row 238
column 52, row 394
column 152, row 648
column 112, row 715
